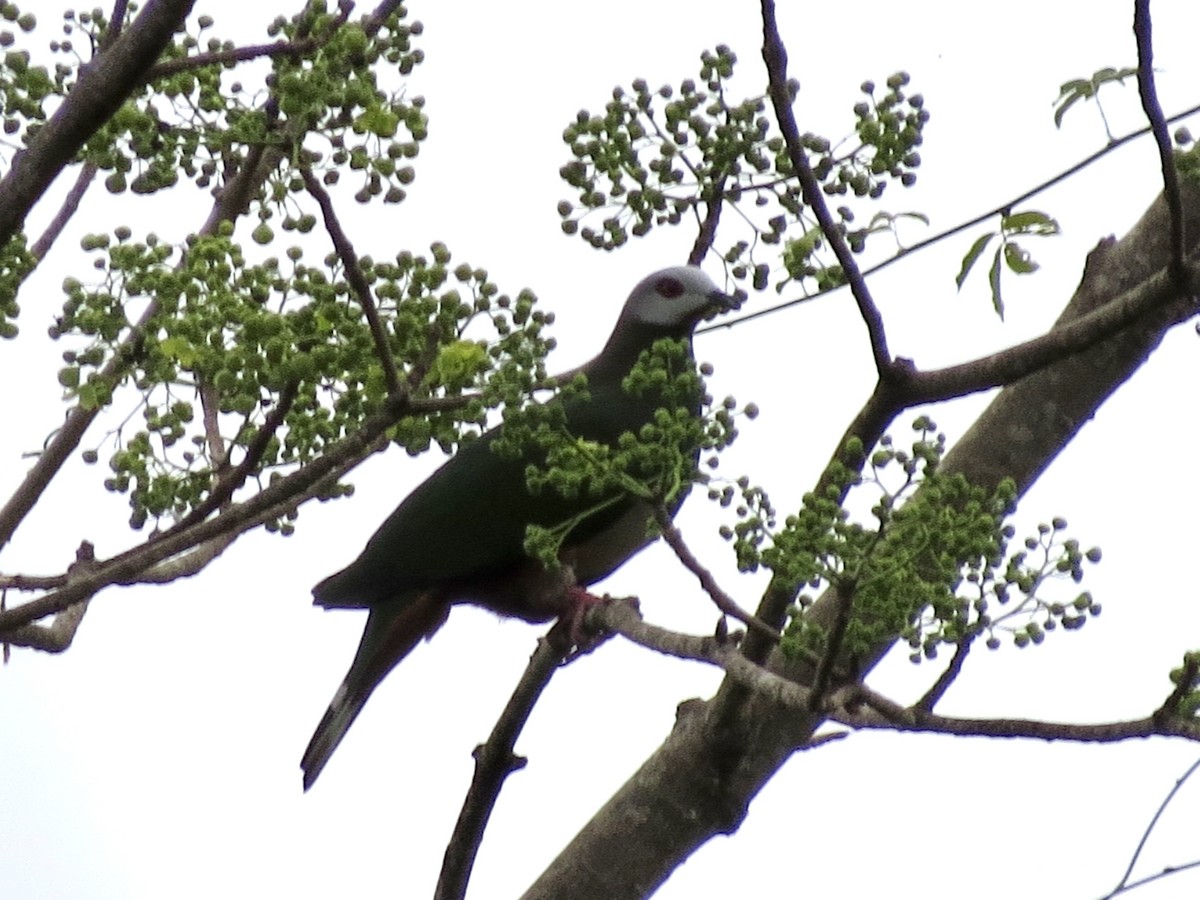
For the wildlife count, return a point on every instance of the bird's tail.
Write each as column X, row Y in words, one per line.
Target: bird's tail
column 393, row 629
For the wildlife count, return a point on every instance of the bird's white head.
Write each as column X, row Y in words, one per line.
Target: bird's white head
column 675, row 298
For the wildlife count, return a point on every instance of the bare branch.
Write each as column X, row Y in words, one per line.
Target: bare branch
column 70, row 206
column 1141, row 882
column 938, row 689
column 775, row 57
column 355, row 276
column 1143, row 31
column 58, row 635
column 708, row 227
column 494, row 762
column 624, row 618
column 1123, row 884
column 725, row 603
column 861, row 708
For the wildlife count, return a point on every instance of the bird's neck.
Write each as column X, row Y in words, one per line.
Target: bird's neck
column 628, row 341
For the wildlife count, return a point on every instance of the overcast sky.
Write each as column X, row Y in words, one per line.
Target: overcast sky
column 159, row 756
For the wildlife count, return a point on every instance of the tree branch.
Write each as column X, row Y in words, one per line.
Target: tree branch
column 102, row 87
column 494, row 762
column 234, row 478
column 355, row 276
column 725, row 603
column 1143, row 32
column 878, row 712
column 775, row 57
column 1124, row 884
column 938, row 689
column 623, row 618
column 288, row 492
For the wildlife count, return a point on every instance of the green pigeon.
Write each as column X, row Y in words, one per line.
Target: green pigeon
column 460, row 536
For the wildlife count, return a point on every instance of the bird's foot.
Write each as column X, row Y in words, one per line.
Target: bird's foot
column 576, row 634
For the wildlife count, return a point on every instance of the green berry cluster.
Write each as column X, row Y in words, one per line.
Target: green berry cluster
column 15, row 263
column 325, row 109
column 933, row 566
column 1189, row 705
column 228, row 336
column 653, row 157
column 24, row 86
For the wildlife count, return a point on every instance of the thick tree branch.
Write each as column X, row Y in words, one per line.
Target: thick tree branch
column 55, row 636
column 623, row 618
column 102, row 87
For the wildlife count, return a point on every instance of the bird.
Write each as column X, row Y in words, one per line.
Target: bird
column 459, row 537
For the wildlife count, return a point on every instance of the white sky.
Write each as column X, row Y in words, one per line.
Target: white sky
column 159, row 757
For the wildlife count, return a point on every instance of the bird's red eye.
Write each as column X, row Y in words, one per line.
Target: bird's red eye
column 669, row 288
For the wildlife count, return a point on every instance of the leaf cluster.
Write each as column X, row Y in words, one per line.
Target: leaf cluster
column 1009, row 253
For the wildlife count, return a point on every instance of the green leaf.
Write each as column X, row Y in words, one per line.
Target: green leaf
column 1018, row 259
column 1030, row 222
column 1070, row 93
column 972, row 257
column 994, row 281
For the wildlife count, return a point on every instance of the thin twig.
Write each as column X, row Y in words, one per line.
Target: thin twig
column 724, row 602
column 68, row 209
column 1123, row 884
column 1143, row 31
column 708, row 227
column 355, row 277
column 1142, row 882
column 775, row 56
column 233, row 478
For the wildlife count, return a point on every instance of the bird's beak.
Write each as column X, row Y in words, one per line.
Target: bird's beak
column 720, row 303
